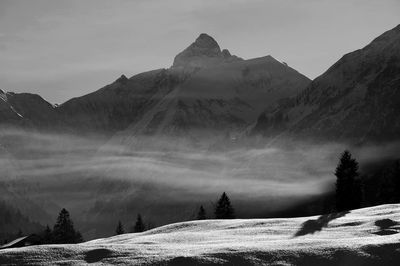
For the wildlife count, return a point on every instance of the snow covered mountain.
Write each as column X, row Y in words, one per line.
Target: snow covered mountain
column 366, row 236
column 356, row 100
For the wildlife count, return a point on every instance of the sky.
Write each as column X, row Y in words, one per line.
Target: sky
column 64, row 49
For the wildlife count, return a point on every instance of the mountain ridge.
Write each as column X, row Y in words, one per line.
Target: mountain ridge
column 209, row 84
column 355, row 100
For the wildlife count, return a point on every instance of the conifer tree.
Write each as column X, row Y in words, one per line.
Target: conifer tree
column 396, row 177
column 120, row 229
column 201, row 215
column 63, row 231
column 139, row 225
column 47, row 235
column 223, row 208
column 348, row 185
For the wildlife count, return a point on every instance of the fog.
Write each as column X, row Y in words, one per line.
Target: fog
column 301, row 169
column 270, row 170
column 84, row 173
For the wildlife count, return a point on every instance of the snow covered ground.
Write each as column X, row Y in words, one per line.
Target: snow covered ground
column 368, row 236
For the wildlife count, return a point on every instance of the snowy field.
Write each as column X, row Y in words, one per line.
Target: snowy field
column 368, row 236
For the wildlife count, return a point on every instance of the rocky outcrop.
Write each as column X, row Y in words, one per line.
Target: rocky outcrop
column 204, row 52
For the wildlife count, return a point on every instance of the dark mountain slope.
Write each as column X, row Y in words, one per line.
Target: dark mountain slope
column 356, row 100
column 115, row 106
column 25, row 109
column 220, row 96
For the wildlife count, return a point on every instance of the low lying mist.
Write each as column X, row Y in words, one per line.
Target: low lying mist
column 70, row 170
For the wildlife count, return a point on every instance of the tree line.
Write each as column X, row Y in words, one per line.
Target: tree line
column 355, row 190
column 138, row 227
column 223, row 210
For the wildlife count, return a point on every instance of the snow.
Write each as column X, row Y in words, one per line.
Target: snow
column 368, row 236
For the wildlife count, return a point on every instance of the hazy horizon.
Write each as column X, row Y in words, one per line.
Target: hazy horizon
column 64, row 49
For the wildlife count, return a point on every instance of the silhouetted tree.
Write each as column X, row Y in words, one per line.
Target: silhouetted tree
column 63, row 231
column 47, row 235
column 139, row 225
column 348, row 185
column 396, row 177
column 223, row 208
column 385, row 182
column 120, row 229
column 201, row 215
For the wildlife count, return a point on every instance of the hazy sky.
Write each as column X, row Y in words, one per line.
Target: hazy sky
column 63, row 49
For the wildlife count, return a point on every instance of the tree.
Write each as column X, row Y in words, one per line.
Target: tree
column 139, row 225
column 19, row 233
column 348, row 185
column 63, row 231
column 223, row 208
column 47, row 235
column 201, row 215
column 396, row 177
column 120, row 229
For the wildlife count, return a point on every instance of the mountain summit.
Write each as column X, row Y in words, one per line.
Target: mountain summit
column 204, row 52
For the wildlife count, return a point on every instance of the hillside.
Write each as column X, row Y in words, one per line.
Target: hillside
column 368, row 236
column 355, row 100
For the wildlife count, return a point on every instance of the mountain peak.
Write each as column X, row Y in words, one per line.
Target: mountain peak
column 206, row 44
column 123, row 79
column 204, row 51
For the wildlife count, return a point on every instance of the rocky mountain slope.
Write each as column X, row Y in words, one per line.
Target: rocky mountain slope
column 206, row 89
column 368, row 236
column 204, row 52
column 25, row 109
column 220, row 96
column 356, row 100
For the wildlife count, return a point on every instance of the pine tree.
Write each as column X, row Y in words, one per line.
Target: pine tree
column 139, row 225
column 63, row 231
column 224, row 209
column 120, row 229
column 47, row 235
column 348, row 185
column 201, row 215
column 396, row 177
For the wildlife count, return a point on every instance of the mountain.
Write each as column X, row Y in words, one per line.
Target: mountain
column 204, row 52
column 220, row 94
column 207, row 94
column 355, row 100
column 27, row 110
column 206, row 90
column 115, row 106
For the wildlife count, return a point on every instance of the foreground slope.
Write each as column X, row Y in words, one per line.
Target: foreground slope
column 368, row 236
column 356, row 100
